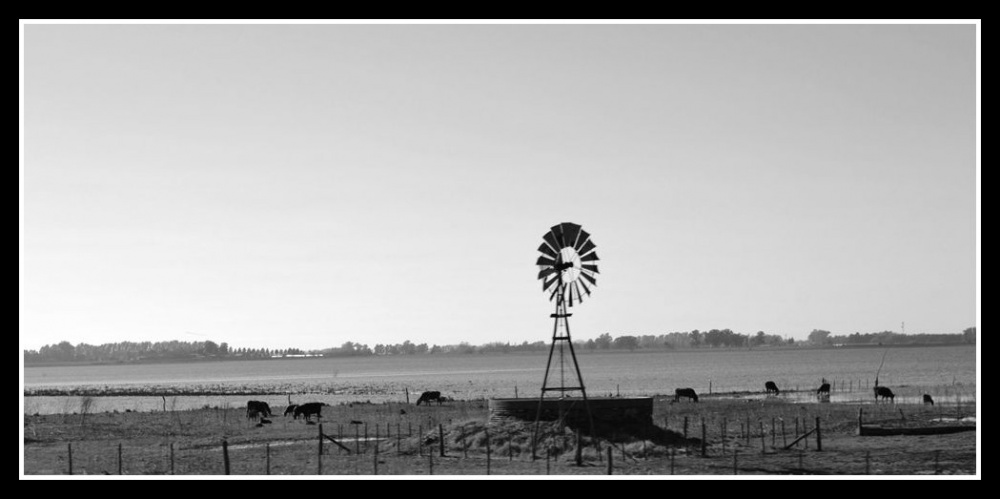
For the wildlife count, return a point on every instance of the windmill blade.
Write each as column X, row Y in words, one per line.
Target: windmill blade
column 587, row 247
column 570, row 231
column 581, row 239
column 550, row 239
column 590, row 257
column 543, row 261
column 585, row 289
column 558, row 233
column 547, row 271
column 576, row 288
column 549, row 283
column 544, row 248
column 589, row 278
column 569, row 290
column 592, row 268
column 554, row 291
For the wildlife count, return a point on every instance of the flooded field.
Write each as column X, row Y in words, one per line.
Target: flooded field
column 947, row 373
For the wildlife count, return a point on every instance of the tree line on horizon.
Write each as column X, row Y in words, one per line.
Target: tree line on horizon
column 128, row 351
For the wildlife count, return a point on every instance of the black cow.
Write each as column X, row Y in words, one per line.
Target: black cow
column 429, row 396
column 685, row 392
column 885, row 393
column 771, row 387
column 307, row 410
column 928, row 399
column 291, row 410
column 823, row 389
column 256, row 409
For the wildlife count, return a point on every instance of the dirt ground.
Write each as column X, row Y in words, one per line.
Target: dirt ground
column 401, row 439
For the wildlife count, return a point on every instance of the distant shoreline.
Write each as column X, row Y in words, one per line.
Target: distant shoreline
column 580, row 351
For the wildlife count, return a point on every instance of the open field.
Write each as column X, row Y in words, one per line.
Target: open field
column 405, row 439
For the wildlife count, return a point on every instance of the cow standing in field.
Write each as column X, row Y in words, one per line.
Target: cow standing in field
column 291, row 410
column 823, row 390
column 771, row 387
column 885, row 393
column 685, row 392
column 429, row 396
column 307, row 410
column 257, row 409
column 928, row 399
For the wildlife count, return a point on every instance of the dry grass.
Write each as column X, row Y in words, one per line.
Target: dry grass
column 410, row 442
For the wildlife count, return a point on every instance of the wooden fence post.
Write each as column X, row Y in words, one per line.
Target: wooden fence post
column 399, row 448
column 120, row 458
column 579, row 449
column 225, row 455
column 69, row 457
column 319, row 450
column 487, row 430
column 407, row 395
column 171, row 458
column 735, row 453
column 784, row 438
column 819, row 437
column 703, row 438
column 609, row 460
column 441, row 438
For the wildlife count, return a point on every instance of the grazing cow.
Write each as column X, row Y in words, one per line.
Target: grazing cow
column 256, row 408
column 307, row 410
column 429, row 396
column 771, row 387
column 291, row 410
column 823, row 389
column 885, row 393
column 928, row 399
column 685, row 392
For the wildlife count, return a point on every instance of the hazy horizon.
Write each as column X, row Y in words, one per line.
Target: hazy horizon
column 275, row 186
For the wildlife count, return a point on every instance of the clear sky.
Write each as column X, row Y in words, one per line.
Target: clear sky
column 306, row 185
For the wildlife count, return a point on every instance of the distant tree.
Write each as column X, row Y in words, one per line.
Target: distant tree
column 590, row 344
column 819, row 336
column 969, row 335
column 626, row 342
column 696, row 338
column 223, row 348
column 604, row 341
column 210, row 348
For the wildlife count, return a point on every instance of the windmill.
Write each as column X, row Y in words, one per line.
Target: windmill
column 566, row 266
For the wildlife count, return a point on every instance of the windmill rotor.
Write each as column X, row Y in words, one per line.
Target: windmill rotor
column 567, row 263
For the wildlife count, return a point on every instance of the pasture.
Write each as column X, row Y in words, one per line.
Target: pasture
column 744, row 434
